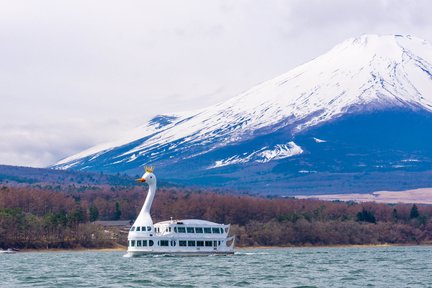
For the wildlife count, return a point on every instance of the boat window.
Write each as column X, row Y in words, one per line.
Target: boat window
column 148, row 228
column 207, row 230
column 151, row 242
column 163, row 243
column 200, row 243
column 208, row 243
column 169, row 229
column 181, row 229
column 132, row 228
column 215, row 230
column 191, row 243
column 226, row 230
column 138, row 243
column 190, row 230
column 144, row 243
column 215, row 243
column 175, row 229
column 173, row 243
column 182, row 243
column 219, row 242
column 132, row 243
column 221, row 230
column 198, row 230
column 138, row 228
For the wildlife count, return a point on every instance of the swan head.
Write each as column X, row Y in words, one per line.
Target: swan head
column 148, row 177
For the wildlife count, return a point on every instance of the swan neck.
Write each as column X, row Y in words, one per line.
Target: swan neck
column 149, row 199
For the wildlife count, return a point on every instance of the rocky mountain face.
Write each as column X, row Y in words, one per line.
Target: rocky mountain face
column 356, row 119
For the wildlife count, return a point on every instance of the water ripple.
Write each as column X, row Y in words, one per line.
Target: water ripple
column 290, row 267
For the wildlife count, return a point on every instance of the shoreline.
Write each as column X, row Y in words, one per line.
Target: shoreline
column 124, row 248
column 81, row 249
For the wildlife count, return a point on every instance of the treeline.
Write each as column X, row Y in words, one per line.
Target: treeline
column 43, row 217
column 15, row 175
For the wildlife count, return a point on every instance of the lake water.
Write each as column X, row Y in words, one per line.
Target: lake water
column 287, row 267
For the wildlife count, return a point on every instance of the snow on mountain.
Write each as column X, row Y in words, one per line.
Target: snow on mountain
column 368, row 73
column 155, row 125
column 317, row 140
column 279, row 151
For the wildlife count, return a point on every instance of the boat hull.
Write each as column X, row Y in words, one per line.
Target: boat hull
column 179, row 253
column 7, row 252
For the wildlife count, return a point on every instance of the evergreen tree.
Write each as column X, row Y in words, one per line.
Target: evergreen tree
column 117, row 212
column 76, row 216
column 366, row 216
column 414, row 212
column 93, row 213
column 395, row 215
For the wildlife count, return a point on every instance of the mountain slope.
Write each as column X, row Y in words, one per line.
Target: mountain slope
column 270, row 125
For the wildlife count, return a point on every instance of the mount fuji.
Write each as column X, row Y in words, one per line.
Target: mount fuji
column 356, row 119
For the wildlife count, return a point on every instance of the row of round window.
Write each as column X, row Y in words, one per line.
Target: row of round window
column 140, row 228
column 140, row 243
column 166, row 243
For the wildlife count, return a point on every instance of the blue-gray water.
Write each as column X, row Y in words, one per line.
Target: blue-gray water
column 290, row 267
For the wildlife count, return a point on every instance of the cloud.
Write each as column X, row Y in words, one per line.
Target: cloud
column 105, row 62
column 40, row 144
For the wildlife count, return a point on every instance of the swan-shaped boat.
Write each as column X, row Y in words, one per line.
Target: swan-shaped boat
column 178, row 237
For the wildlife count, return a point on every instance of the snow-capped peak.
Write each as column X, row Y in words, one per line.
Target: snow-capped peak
column 364, row 73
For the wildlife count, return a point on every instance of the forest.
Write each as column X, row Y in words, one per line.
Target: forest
column 40, row 217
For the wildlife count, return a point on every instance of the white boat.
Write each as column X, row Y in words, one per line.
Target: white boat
column 175, row 237
column 8, row 251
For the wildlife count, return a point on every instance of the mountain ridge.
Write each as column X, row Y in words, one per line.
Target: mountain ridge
column 361, row 75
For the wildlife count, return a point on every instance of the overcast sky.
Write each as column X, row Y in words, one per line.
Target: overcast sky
column 77, row 73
